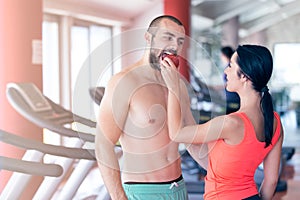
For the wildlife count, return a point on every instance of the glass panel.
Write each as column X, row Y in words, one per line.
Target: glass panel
column 91, row 50
column 101, row 42
column 286, row 64
column 285, row 80
column 51, row 61
column 99, row 35
column 51, row 87
column 79, row 51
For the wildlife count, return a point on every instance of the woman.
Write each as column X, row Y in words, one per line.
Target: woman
column 240, row 141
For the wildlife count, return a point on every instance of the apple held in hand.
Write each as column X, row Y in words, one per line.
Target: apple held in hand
column 174, row 58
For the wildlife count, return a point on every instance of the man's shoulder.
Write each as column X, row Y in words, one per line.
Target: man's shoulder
column 125, row 75
column 134, row 74
column 124, row 80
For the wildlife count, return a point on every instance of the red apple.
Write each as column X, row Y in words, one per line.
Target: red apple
column 174, row 58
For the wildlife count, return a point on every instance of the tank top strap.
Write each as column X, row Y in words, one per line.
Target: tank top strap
column 245, row 118
column 249, row 127
column 247, row 124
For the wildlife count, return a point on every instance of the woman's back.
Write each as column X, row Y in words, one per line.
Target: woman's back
column 231, row 168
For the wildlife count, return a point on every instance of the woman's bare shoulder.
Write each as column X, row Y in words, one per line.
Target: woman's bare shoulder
column 232, row 122
column 233, row 128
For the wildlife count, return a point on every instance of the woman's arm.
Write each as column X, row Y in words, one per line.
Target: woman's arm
column 217, row 128
column 179, row 97
column 271, row 170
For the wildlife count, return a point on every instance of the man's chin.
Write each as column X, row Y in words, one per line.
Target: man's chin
column 155, row 66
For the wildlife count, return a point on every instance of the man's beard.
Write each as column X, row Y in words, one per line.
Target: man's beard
column 154, row 61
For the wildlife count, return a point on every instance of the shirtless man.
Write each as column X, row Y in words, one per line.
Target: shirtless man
column 133, row 111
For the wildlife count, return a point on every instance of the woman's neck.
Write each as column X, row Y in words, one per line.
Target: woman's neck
column 250, row 100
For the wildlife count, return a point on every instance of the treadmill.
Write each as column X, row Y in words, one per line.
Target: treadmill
column 29, row 101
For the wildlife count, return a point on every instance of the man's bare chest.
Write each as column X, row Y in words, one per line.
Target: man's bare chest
column 147, row 110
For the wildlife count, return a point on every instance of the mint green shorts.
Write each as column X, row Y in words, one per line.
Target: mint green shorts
column 173, row 191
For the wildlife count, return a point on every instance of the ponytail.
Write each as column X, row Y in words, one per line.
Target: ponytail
column 268, row 113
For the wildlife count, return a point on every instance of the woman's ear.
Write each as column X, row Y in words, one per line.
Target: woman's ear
column 244, row 78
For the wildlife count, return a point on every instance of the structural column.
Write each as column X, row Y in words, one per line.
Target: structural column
column 259, row 38
column 230, row 33
column 20, row 24
column 181, row 10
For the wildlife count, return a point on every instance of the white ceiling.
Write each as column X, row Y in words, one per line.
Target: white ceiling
column 116, row 11
column 126, row 8
column 254, row 15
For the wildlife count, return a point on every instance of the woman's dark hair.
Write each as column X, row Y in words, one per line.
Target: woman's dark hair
column 227, row 51
column 256, row 63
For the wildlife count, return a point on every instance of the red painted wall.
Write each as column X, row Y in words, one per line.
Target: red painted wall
column 20, row 23
column 181, row 10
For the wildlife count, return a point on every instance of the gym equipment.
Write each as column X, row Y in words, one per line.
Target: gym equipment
column 28, row 100
column 96, row 94
column 32, row 163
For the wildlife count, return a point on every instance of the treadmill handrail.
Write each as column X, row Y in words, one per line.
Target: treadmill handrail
column 30, row 167
column 69, row 152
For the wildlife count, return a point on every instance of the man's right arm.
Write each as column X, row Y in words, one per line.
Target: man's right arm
column 109, row 129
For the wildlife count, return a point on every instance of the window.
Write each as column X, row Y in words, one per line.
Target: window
column 285, row 79
column 86, row 43
column 51, row 60
column 85, row 40
column 51, row 83
column 68, row 44
column 286, row 64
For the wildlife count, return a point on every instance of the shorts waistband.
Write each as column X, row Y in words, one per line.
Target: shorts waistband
column 157, row 188
column 165, row 182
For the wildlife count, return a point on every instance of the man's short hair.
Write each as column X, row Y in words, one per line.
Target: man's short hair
column 155, row 22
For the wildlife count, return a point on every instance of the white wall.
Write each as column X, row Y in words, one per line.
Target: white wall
column 134, row 43
column 145, row 18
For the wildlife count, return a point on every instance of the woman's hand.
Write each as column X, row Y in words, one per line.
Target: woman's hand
column 170, row 75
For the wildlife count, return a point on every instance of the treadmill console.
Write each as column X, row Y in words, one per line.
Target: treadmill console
column 32, row 96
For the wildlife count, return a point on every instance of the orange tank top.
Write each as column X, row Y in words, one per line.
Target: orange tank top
column 231, row 168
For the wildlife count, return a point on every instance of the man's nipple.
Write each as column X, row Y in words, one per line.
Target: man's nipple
column 151, row 121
